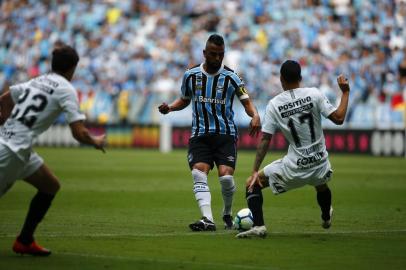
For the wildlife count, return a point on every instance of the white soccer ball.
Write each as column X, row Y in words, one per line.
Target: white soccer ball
column 243, row 220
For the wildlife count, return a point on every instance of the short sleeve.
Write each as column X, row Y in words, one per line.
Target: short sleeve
column 185, row 88
column 239, row 85
column 70, row 105
column 326, row 108
column 269, row 124
column 16, row 91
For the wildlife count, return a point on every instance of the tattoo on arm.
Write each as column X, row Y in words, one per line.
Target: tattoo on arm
column 262, row 149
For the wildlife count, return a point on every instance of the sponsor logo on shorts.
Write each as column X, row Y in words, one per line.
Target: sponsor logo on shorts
column 230, row 158
column 190, row 157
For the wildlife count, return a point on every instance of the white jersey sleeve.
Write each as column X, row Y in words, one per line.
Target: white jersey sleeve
column 16, row 90
column 326, row 108
column 70, row 105
column 269, row 124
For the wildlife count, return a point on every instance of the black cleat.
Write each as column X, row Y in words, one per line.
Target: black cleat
column 203, row 224
column 326, row 219
column 228, row 222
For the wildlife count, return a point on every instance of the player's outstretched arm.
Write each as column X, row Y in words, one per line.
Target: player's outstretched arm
column 82, row 134
column 262, row 149
column 177, row 105
column 255, row 124
column 6, row 106
column 338, row 116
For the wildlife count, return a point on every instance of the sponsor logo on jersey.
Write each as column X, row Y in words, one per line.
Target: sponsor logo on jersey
column 297, row 110
column 294, row 104
column 310, row 162
column 43, row 88
column 210, row 100
column 297, row 106
column 312, row 149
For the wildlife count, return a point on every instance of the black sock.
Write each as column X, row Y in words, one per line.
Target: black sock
column 324, row 200
column 38, row 208
column 255, row 200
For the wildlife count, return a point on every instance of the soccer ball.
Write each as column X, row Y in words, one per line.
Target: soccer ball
column 243, row 220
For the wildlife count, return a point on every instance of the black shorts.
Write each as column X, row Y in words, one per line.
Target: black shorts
column 213, row 148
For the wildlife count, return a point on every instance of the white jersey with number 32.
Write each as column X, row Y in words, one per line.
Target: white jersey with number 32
column 297, row 113
column 38, row 103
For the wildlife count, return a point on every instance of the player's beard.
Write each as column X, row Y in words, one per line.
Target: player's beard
column 214, row 66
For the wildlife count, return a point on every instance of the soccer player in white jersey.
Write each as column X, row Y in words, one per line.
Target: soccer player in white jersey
column 27, row 110
column 297, row 113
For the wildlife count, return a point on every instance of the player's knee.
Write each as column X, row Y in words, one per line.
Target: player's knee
column 227, row 184
column 199, row 181
column 225, row 170
column 54, row 187
column 199, row 176
column 51, row 186
column 256, row 189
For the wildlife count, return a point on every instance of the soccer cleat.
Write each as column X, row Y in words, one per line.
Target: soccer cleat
column 259, row 231
column 31, row 249
column 228, row 222
column 326, row 221
column 203, row 224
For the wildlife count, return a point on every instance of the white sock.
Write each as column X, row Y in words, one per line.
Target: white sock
column 227, row 190
column 202, row 193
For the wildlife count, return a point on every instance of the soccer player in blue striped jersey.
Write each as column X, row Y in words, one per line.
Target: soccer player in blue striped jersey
column 211, row 88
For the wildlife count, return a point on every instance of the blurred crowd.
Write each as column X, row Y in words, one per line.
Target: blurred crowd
column 134, row 53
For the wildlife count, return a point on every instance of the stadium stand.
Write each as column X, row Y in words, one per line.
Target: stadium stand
column 133, row 53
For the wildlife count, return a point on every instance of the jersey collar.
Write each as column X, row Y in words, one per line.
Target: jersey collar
column 208, row 74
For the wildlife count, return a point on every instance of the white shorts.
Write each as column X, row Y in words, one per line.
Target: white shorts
column 280, row 181
column 13, row 168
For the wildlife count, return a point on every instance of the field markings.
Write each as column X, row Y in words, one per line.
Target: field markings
column 171, row 234
column 163, row 261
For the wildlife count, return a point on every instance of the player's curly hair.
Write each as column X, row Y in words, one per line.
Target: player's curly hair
column 64, row 57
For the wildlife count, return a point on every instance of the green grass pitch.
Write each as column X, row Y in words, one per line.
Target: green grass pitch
column 129, row 209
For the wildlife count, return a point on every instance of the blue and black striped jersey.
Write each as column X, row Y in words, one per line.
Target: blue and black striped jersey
column 212, row 98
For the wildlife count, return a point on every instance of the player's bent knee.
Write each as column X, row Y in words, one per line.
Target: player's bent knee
column 44, row 180
column 56, row 186
column 51, row 186
column 199, row 176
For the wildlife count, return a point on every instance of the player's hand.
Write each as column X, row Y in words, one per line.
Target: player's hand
column 252, row 180
column 100, row 142
column 164, row 108
column 255, row 126
column 343, row 83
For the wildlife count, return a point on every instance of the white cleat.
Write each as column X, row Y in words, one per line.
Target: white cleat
column 327, row 223
column 256, row 231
